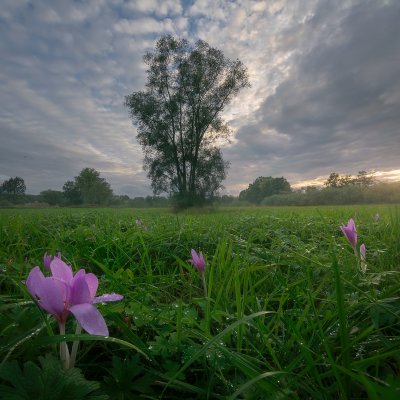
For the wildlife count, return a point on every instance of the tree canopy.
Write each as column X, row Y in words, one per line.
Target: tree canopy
column 88, row 188
column 178, row 116
column 13, row 186
column 263, row 187
column 363, row 179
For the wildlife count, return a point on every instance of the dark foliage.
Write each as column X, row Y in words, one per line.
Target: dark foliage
column 263, row 187
column 178, row 116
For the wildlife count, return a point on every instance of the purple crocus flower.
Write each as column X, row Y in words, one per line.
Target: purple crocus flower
column 63, row 293
column 349, row 231
column 198, row 261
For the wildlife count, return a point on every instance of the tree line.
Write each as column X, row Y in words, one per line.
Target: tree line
column 90, row 189
column 86, row 189
column 340, row 190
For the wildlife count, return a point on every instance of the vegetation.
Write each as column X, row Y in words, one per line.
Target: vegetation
column 12, row 190
column 264, row 187
column 88, row 188
column 363, row 179
column 178, row 117
column 267, row 191
column 287, row 313
column 352, row 194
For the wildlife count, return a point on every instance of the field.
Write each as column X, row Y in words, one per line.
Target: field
column 287, row 313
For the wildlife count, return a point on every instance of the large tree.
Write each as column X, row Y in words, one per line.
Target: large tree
column 178, row 116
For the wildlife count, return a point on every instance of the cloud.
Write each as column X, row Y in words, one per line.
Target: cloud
column 325, row 88
column 338, row 106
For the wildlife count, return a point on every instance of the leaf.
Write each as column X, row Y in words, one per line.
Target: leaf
column 127, row 377
column 49, row 381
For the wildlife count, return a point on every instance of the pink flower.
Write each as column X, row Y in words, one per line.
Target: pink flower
column 63, row 293
column 198, row 261
column 349, row 231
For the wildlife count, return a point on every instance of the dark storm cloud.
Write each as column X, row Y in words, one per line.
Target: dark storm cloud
column 339, row 107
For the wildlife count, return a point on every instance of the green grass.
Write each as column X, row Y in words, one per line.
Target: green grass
column 288, row 315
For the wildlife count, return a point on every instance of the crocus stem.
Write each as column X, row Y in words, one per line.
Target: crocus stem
column 203, row 279
column 64, row 353
column 75, row 345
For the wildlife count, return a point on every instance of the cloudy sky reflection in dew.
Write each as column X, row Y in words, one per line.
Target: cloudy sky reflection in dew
column 325, row 92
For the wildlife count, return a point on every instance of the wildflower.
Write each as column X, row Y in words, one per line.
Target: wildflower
column 63, row 293
column 363, row 253
column 350, row 232
column 362, row 250
column 198, row 261
column 47, row 258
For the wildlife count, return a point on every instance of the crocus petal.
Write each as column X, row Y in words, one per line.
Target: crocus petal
column 90, row 319
column 198, row 261
column 93, row 283
column 35, row 279
column 351, row 225
column 107, row 297
column 350, row 232
column 195, row 257
column 51, row 297
column 201, row 263
column 60, row 270
column 80, row 292
column 201, row 257
column 47, row 261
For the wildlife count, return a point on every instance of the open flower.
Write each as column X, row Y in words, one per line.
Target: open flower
column 198, row 261
column 63, row 293
column 350, row 232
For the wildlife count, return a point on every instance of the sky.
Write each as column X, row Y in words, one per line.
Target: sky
column 324, row 96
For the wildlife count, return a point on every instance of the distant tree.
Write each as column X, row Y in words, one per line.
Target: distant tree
column 138, row 202
column 72, row 193
column 120, row 200
column 346, row 180
column 13, row 186
column 93, row 188
column 333, row 180
column 264, row 187
column 52, row 197
column 311, row 189
column 364, row 179
column 178, row 116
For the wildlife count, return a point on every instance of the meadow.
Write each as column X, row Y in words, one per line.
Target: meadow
column 287, row 313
